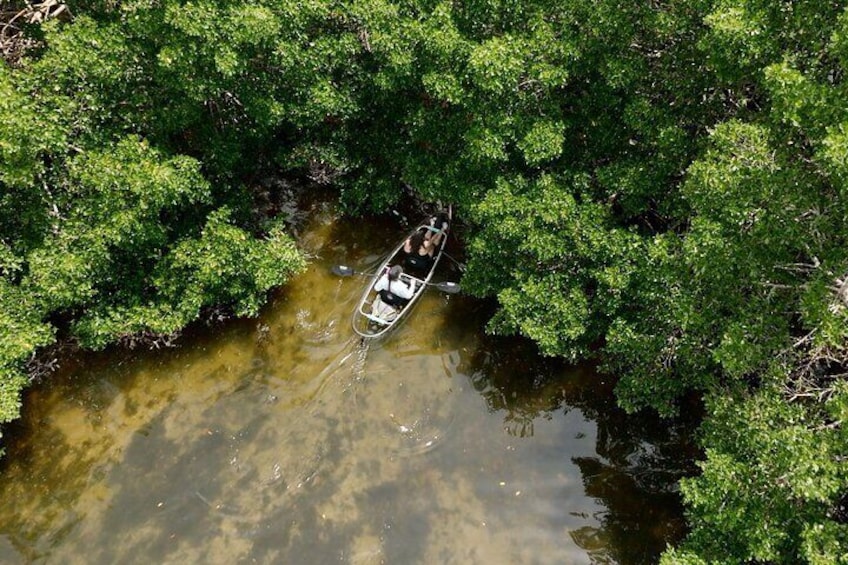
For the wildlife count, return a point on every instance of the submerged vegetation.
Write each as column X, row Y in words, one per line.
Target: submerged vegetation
column 661, row 185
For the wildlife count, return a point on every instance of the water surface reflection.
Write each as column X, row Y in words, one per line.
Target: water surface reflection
column 287, row 440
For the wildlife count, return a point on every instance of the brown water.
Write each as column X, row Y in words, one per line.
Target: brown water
column 287, row 440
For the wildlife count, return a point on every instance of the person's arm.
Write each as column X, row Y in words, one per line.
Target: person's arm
column 405, row 290
column 436, row 237
column 381, row 283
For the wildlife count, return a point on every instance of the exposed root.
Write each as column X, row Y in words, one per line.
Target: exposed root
column 323, row 173
column 149, row 340
column 14, row 19
column 48, row 360
column 817, row 369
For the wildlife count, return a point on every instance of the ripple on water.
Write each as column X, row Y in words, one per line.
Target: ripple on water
column 423, row 407
column 315, row 332
column 421, row 436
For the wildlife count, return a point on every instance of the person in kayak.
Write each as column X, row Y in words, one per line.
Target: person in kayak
column 392, row 289
column 419, row 252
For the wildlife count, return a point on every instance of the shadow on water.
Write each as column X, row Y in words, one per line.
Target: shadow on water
column 288, row 440
column 637, row 459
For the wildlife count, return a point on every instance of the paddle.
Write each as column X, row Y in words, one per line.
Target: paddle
column 345, row 271
column 459, row 265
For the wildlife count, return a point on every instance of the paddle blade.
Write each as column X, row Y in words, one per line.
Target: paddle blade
column 448, row 287
column 343, row 270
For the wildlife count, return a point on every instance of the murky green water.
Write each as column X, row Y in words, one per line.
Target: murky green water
column 286, row 440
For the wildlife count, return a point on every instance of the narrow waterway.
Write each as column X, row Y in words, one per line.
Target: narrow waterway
column 287, row 440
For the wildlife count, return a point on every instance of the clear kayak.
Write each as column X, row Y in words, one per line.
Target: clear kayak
column 373, row 318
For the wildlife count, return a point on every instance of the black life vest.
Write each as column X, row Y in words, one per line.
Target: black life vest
column 420, row 263
column 387, row 296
